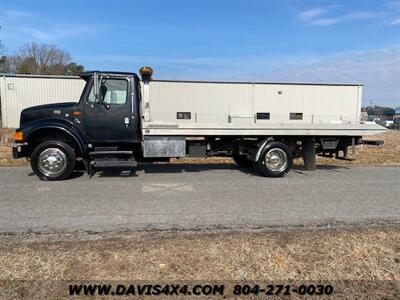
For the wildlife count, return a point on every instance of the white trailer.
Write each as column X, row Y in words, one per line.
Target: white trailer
column 18, row 92
column 252, row 108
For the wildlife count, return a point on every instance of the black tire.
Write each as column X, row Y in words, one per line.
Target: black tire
column 309, row 156
column 68, row 159
column 242, row 161
column 283, row 152
column 80, row 166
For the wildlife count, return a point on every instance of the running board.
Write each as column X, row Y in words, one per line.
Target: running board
column 110, row 163
column 114, row 163
column 96, row 153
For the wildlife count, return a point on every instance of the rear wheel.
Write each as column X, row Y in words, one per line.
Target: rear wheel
column 275, row 160
column 53, row 160
column 242, row 161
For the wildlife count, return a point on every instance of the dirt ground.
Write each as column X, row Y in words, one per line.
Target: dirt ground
column 366, row 155
column 354, row 260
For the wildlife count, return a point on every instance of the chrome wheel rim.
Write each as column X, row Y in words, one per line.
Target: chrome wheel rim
column 276, row 160
column 52, row 162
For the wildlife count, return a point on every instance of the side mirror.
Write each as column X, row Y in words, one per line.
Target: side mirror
column 97, row 89
column 96, row 86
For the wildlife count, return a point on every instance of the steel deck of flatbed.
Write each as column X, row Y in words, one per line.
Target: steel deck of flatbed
column 171, row 129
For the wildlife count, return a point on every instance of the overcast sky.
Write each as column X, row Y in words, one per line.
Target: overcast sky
column 354, row 41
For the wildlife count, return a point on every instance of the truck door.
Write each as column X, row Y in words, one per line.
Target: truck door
column 114, row 119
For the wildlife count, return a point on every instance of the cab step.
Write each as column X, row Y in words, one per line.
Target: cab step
column 113, row 163
column 106, row 148
column 112, row 153
column 109, row 157
column 104, row 163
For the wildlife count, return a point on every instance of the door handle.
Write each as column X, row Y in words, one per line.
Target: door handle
column 126, row 121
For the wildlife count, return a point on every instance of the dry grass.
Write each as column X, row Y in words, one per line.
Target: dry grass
column 6, row 137
column 339, row 256
column 6, row 140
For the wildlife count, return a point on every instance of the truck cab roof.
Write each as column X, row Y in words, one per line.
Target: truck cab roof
column 88, row 74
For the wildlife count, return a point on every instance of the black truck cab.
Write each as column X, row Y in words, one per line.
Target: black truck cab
column 113, row 116
column 104, row 124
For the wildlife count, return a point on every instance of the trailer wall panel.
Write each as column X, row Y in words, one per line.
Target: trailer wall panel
column 318, row 104
column 17, row 93
column 221, row 103
column 207, row 102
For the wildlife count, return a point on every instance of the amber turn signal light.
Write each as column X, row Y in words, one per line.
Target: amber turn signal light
column 76, row 113
column 146, row 73
column 19, row 136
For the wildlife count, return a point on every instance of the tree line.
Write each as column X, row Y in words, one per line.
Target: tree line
column 43, row 59
column 377, row 110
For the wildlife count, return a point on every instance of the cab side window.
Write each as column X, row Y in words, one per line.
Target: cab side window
column 112, row 91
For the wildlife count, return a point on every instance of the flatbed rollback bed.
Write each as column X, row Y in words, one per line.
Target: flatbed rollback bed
column 121, row 120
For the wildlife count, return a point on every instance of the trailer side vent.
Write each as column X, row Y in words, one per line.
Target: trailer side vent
column 262, row 116
column 296, row 116
column 183, row 115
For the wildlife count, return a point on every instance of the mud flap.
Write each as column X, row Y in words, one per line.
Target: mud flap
column 309, row 156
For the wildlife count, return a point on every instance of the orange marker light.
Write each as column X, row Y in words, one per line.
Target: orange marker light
column 19, row 136
column 76, row 113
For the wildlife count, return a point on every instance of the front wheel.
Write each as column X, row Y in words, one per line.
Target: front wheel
column 53, row 160
column 275, row 160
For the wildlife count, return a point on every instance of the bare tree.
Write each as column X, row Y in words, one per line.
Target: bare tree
column 43, row 59
column 40, row 59
column 4, row 62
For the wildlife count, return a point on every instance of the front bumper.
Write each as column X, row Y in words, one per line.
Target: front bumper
column 19, row 150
